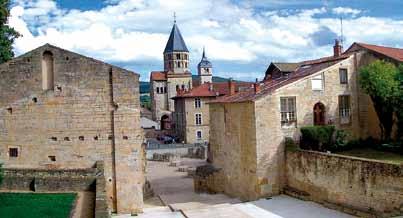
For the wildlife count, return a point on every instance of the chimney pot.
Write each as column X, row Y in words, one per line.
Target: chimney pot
column 256, row 86
column 231, row 87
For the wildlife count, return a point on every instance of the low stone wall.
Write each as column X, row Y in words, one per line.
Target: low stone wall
column 60, row 180
column 48, row 179
column 354, row 185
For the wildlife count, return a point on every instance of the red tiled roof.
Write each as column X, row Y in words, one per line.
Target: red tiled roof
column 307, row 68
column 158, row 76
column 218, row 89
column 394, row 53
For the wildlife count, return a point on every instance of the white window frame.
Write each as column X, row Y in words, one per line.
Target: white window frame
column 317, row 78
column 198, row 119
column 198, row 103
column 288, row 110
column 344, row 109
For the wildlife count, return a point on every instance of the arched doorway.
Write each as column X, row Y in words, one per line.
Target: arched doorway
column 165, row 122
column 319, row 114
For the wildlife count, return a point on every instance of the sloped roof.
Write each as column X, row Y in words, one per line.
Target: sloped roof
column 175, row 41
column 158, row 76
column 217, row 89
column 394, row 53
column 305, row 69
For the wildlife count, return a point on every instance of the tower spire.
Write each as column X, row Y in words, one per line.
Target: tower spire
column 204, row 53
column 174, row 17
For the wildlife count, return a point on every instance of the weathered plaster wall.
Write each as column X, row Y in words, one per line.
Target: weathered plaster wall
column 353, row 184
column 92, row 113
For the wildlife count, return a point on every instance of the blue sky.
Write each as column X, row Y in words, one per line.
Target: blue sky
column 241, row 36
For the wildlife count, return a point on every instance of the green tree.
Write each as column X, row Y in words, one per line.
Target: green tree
column 399, row 104
column 380, row 81
column 7, row 33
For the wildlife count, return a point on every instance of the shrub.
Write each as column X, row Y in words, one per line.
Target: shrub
column 340, row 141
column 1, row 173
column 317, row 137
column 290, row 144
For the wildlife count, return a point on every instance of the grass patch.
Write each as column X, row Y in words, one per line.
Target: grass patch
column 36, row 205
column 374, row 154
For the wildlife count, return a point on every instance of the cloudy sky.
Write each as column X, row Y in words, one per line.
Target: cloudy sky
column 241, row 36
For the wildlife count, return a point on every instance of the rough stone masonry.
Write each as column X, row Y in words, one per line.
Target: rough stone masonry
column 61, row 110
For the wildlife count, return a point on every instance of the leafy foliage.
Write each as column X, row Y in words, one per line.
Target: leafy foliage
column 290, row 144
column 399, row 105
column 7, row 33
column 317, row 138
column 1, row 173
column 380, row 81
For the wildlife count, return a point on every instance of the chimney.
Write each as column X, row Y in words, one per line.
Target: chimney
column 337, row 48
column 256, row 86
column 231, row 86
column 210, row 86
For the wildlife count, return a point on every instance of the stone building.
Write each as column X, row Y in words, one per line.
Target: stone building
column 176, row 74
column 61, row 110
column 191, row 118
column 247, row 129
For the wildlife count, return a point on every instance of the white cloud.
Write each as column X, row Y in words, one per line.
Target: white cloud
column 346, row 10
column 137, row 30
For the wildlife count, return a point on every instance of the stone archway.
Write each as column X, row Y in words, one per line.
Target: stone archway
column 319, row 114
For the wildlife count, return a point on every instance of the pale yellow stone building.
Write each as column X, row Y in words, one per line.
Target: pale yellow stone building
column 62, row 110
column 247, row 129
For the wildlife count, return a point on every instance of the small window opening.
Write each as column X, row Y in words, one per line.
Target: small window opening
column 59, row 88
column 34, row 99
column 13, row 152
column 53, row 138
column 10, row 110
column 52, row 158
column 81, row 138
column 95, row 138
column 67, row 58
column 125, row 137
column 110, row 137
column 66, row 139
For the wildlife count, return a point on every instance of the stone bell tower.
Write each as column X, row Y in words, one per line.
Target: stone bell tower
column 205, row 70
column 176, row 54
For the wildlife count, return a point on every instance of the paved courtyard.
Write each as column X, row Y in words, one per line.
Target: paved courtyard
column 175, row 199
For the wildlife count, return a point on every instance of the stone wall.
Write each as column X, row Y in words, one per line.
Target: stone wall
column 233, row 150
column 354, row 185
column 90, row 114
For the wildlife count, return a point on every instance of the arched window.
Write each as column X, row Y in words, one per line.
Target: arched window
column 47, row 71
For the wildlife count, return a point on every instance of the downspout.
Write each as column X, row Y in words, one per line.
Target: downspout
column 113, row 145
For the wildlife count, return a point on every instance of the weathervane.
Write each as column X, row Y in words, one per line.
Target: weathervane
column 174, row 17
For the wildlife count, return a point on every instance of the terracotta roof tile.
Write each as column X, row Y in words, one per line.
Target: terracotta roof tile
column 394, row 53
column 218, row 89
column 306, row 69
column 158, row 76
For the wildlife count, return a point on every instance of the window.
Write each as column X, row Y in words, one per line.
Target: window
column 165, row 89
column 186, row 56
column 198, row 119
column 343, row 76
column 186, row 65
column 197, row 103
column 317, row 82
column 178, row 56
column 199, row 134
column 13, row 152
column 52, row 158
column 47, row 71
column 179, row 64
column 288, row 108
column 183, row 87
column 344, row 108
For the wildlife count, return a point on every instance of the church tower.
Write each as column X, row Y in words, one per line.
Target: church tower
column 205, row 70
column 176, row 54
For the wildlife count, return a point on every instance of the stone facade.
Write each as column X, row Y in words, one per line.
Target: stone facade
column 61, row 110
column 185, row 119
column 354, row 185
column 247, row 130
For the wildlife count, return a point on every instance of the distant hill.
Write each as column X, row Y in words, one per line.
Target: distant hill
column 145, row 86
